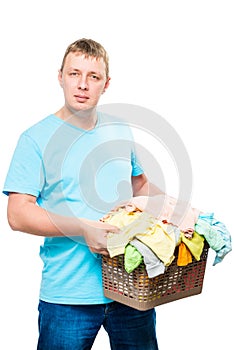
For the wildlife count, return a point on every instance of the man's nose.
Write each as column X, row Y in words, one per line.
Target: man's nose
column 82, row 83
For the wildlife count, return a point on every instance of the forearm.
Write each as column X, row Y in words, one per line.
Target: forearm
column 142, row 187
column 26, row 216
column 149, row 189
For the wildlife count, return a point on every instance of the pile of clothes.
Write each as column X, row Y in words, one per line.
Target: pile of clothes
column 152, row 228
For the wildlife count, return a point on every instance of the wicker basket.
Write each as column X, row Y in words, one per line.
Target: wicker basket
column 141, row 292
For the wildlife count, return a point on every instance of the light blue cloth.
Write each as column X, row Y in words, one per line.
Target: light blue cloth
column 74, row 173
column 216, row 234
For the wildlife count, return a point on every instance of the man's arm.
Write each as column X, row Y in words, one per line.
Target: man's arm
column 26, row 216
column 142, row 187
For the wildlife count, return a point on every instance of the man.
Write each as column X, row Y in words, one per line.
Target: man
column 62, row 179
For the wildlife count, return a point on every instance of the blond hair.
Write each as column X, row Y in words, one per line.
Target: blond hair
column 88, row 47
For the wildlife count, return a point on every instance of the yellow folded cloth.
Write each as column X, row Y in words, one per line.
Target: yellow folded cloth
column 194, row 244
column 160, row 237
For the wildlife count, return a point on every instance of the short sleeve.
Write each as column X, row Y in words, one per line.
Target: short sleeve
column 25, row 174
column 136, row 166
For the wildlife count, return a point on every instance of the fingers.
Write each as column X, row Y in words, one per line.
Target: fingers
column 102, row 251
column 114, row 229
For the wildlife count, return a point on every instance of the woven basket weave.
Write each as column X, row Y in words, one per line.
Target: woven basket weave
column 141, row 292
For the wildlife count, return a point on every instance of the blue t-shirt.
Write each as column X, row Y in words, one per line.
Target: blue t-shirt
column 74, row 173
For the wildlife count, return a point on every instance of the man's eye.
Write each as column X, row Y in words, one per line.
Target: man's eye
column 95, row 77
column 74, row 74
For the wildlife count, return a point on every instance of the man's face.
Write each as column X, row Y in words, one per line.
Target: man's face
column 83, row 81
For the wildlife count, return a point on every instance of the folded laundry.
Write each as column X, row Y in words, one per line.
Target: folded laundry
column 184, row 255
column 161, row 238
column 153, row 265
column 195, row 244
column 216, row 234
column 132, row 258
column 168, row 209
column 144, row 237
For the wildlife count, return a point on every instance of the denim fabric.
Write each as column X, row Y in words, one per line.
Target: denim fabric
column 74, row 327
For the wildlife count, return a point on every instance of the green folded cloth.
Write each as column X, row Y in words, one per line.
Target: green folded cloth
column 132, row 258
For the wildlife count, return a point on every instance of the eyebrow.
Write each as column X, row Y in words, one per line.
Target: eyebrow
column 90, row 72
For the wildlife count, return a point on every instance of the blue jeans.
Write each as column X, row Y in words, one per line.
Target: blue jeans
column 74, row 327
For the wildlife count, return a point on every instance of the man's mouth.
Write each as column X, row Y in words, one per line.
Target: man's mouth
column 81, row 98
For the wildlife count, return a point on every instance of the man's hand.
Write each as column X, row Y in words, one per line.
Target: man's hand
column 95, row 234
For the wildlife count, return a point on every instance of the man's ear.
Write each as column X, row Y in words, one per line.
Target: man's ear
column 60, row 77
column 106, row 84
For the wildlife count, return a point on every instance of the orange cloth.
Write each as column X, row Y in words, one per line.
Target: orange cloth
column 184, row 255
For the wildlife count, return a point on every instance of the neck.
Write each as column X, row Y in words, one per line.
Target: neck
column 83, row 119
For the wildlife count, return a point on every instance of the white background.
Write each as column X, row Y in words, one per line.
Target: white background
column 173, row 57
